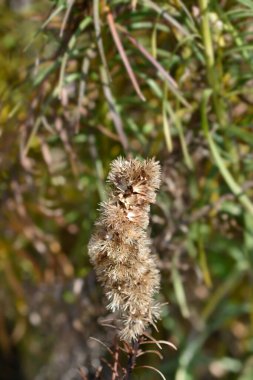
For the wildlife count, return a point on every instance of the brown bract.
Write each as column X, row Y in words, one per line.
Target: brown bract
column 120, row 247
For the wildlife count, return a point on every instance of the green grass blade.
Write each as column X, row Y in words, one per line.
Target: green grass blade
column 232, row 184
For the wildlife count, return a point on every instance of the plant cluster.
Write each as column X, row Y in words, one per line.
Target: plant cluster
column 170, row 79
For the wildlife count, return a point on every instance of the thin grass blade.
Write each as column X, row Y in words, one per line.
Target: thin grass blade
column 123, row 55
column 96, row 19
column 229, row 179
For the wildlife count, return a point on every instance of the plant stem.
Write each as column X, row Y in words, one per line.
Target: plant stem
column 212, row 72
column 132, row 359
column 116, row 362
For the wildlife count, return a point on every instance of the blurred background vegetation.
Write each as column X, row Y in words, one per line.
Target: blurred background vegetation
column 82, row 82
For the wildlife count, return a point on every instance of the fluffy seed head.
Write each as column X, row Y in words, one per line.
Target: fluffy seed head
column 120, row 248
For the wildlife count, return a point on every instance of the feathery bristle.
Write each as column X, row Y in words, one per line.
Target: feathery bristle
column 119, row 248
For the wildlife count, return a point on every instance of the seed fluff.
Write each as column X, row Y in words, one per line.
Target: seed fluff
column 119, row 249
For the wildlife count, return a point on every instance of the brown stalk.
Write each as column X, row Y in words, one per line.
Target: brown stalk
column 132, row 359
column 122, row 53
column 115, row 373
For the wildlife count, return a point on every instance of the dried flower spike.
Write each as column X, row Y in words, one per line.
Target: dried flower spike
column 120, row 247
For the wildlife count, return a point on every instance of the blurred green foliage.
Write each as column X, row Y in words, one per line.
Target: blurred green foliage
column 73, row 79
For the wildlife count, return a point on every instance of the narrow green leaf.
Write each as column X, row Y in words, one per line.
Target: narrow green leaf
column 166, row 126
column 179, row 289
column 233, row 185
